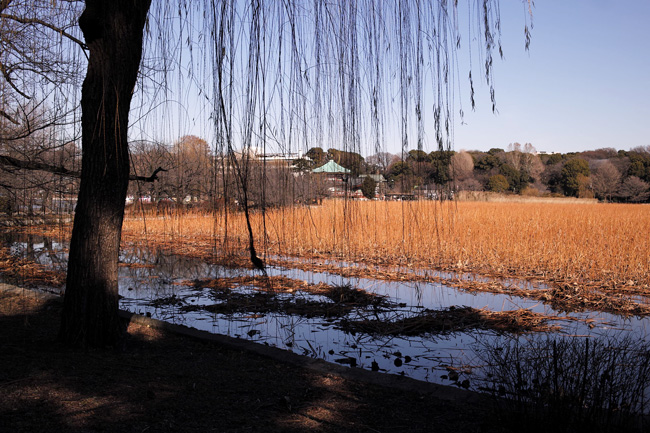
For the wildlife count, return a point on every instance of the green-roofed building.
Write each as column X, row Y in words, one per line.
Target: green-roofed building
column 333, row 178
column 331, row 168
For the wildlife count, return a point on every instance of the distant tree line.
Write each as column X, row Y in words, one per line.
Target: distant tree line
column 197, row 177
column 605, row 174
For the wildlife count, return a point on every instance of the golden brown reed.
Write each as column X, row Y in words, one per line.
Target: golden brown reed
column 605, row 245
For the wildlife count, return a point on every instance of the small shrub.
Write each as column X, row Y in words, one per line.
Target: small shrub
column 498, row 183
column 530, row 191
column 569, row 384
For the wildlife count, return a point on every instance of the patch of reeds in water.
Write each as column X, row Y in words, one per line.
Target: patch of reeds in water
column 264, row 297
column 343, row 299
column 453, row 319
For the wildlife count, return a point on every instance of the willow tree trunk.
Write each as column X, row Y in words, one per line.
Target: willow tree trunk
column 113, row 32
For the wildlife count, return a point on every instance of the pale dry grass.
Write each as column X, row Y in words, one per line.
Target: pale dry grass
column 602, row 244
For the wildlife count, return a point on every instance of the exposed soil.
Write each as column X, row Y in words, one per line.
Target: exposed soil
column 161, row 381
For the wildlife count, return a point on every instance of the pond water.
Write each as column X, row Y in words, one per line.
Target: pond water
column 428, row 357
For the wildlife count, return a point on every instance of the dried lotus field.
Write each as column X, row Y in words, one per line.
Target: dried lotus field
column 594, row 254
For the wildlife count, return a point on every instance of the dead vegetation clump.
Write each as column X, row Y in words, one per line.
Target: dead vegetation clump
column 567, row 297
column 572, row 297
column 454, row 319
column 264, row 299
column 344, row 293
column 345, row 299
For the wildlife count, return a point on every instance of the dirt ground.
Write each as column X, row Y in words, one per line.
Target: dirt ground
column 164, row 382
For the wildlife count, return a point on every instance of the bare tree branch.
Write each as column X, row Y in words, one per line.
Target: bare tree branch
column 33, row 165
column 45, row 24
column 152, row 178
column 5, row 74
column 8, row 117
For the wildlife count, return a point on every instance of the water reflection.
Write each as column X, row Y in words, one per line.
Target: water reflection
column 41, row 250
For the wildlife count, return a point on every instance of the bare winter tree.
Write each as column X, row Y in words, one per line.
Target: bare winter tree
column 605, row 180
column 147, row 157
column 634, row 190
column 190, row 169
column 41, row 57
column 461, row 167
column 113, row 32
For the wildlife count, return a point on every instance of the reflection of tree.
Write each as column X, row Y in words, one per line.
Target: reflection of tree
column 37, row 249
column 163, row 265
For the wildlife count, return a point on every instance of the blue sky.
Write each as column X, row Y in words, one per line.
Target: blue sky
column 584, row 84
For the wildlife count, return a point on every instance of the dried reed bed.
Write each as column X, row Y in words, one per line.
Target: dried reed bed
column 601, row 245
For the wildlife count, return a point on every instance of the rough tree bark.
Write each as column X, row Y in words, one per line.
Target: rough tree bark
column 113, row 32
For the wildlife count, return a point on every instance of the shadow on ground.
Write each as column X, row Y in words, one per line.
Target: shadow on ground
column 164, row 382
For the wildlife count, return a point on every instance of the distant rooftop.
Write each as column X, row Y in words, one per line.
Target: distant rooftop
column 331, row 167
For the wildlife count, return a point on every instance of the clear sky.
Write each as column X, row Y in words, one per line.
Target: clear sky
column 584, row 84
